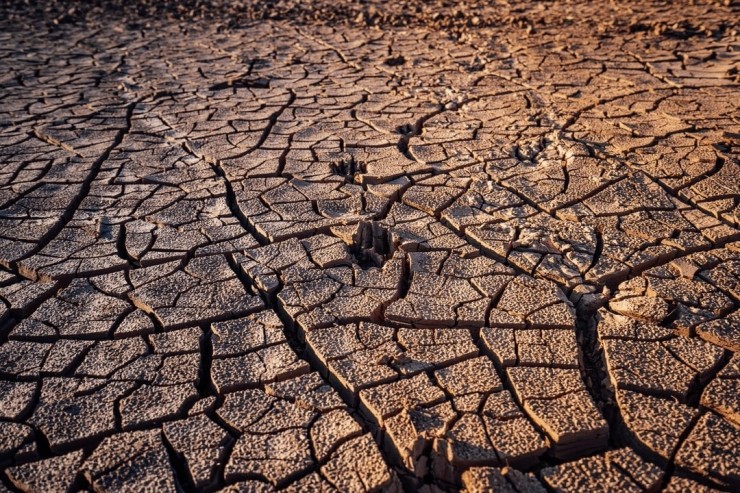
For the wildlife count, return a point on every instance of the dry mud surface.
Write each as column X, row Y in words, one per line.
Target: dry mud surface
column 353, row 247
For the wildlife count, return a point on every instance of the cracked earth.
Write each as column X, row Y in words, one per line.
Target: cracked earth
column 356, row 247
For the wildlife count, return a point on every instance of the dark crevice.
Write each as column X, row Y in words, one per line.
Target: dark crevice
column 84, row 190
column 231, row 197
column 593, row 369
column 242, row 83
column 179, row 466
column 272, row 121
column 296, row 339
column 121, row 247
column 700, row 383
column 18, row 314
column 671, row 467
column 205, row 384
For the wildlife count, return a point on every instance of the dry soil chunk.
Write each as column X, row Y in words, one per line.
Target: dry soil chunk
column 618, row 470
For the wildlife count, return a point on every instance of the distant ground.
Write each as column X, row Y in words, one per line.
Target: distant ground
column 369, row 246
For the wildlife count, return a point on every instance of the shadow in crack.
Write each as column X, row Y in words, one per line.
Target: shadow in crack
column 243, row 83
